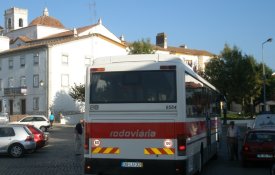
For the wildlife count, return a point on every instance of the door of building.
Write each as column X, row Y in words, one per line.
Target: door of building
column 23, row 106
column 11, row 106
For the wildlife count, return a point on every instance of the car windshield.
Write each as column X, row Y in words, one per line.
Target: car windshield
column 3, row 114
column 261, row 137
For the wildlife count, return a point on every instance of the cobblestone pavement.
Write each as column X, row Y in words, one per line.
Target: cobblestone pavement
column 57, row 158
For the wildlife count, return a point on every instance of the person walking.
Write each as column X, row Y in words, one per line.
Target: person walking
column 232, row 141
column 78, row 130
column 51, row 118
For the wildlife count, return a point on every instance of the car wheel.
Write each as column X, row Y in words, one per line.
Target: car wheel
column 43, row 128
column 16, row 150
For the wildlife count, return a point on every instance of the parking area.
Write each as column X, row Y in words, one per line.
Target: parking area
column 57, row 158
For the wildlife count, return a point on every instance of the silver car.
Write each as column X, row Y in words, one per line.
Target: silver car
column 16, row 140
column 4, row 118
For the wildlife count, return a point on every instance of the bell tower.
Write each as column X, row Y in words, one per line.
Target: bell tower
column 15, row 18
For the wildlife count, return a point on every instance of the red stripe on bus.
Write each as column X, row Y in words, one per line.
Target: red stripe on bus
column 150, row 151
column 147, row 130
column 113, row 151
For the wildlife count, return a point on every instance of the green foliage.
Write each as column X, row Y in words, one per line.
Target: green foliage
column 78, row 92
column 141, row 47
column 236, row 75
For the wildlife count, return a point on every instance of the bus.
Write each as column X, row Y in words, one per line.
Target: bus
column 148, row 114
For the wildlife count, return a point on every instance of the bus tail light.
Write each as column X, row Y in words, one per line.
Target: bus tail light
column 181, row 139
column 246, row 148
column 86, row 139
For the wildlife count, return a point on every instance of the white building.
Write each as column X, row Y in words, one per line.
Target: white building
column 197, row 59
column 40, row 61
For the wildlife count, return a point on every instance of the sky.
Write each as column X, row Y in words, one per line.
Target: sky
column 199, row 24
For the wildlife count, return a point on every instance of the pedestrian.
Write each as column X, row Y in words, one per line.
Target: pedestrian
column 51, row 118
column 78, row 130
column 232, row 141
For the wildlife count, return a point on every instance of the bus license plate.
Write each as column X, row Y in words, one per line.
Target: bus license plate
column 132, row 164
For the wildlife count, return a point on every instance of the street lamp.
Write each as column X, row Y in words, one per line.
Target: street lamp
column 264, row 78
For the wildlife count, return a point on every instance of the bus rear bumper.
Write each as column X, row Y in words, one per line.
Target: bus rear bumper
column 147, row 167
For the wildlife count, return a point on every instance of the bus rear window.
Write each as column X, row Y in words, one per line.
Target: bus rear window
column 133, row 87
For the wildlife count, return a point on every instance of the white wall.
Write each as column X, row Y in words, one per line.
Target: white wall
column 76, row 69
column 34, row 32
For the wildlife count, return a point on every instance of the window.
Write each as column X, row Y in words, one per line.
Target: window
column 10, row 63
column 22, row 61
column 6, row 132
column 36, row 103
column 20, row 22
column 65, row 59
column 36, row 59
column 23, row 81
column 134, row 87
column 200, row 99
column 9, row 23
column 1, row 104
column 1, row 85
column 87, row 60
column 40, row 119
column 10, row 82
column 35, row 81
column 65, row 80
column 27, row 119
column 189, row 62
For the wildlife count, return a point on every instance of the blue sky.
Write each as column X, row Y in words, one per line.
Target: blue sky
column 200, row 24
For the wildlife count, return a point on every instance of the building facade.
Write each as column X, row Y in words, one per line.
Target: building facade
column 38, row 68
column 40, row 61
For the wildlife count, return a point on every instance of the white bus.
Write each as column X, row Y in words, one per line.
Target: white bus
column 148, row 114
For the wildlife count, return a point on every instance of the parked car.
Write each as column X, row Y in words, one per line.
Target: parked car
column 264, row 121
column 258, row 146
column 4, row 118
column 40, row 137
column 39, row 121
column 16, row 140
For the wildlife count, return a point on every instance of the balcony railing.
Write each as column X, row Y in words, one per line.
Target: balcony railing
column 15, row 91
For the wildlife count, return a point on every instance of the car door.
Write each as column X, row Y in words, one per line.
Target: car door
column 6, row 134
column 39, row 121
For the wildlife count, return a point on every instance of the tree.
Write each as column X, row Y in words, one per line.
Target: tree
column 78, row 92
column 235, row 75
column 141, row 47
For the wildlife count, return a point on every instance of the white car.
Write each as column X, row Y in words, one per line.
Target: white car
column 4, row 118
column 264, row 121
column 39, row 121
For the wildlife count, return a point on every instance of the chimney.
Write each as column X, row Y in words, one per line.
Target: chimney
column 75, row 32
column 161, row 40
column 183, row 46
column 4, row 43
column 122, row 39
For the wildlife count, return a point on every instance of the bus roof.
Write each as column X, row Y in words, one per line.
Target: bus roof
column 102, row 61
column 136, row 58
